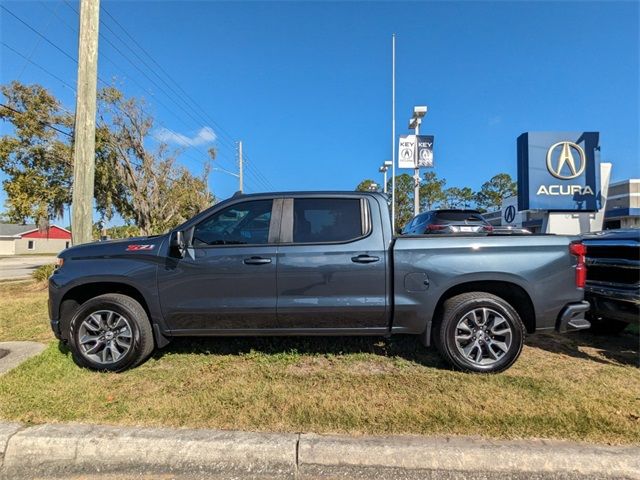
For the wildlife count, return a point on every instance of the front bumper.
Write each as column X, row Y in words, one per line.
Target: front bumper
column 572, row 317
column 53, row 304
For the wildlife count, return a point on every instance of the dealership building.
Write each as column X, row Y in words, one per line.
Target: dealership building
column 623, row 205
column 564, row 188
column 621, row 210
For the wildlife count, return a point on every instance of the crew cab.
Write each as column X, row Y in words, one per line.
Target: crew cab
column 314, row 263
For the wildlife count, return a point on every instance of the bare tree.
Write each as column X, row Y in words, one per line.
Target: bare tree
column 154, row 191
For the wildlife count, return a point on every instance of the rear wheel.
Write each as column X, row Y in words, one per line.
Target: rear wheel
column 110, row 332
column 479, row 332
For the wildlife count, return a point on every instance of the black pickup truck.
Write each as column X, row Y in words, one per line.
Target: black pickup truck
column 613, row 279
column 314, row 263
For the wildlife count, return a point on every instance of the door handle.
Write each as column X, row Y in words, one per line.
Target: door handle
column 364, row 259
column 256, row 261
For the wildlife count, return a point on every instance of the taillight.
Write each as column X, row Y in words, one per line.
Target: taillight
column 435, row 226
column 579, row 250
column 488, row 228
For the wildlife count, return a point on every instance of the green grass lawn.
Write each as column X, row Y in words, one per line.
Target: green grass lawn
column 577, row 386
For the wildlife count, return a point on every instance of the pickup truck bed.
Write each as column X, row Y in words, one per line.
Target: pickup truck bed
column 314, row 263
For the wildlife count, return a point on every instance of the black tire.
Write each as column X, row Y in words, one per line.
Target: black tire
column 141, row 335
column 456, row 309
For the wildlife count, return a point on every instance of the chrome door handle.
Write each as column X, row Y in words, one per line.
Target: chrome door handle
column 256, row 261
column 364, row 259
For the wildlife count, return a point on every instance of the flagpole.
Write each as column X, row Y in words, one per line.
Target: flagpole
column 393, row 134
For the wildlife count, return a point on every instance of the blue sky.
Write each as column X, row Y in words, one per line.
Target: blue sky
column 307, row 85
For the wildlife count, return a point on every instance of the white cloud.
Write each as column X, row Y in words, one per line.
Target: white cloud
column 204, row 136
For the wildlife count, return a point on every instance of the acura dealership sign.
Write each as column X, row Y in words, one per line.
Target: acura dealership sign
column 415, row 151
column 559, row 171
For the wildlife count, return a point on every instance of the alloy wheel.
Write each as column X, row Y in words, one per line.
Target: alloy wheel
column 104, row 337
column 483, row 336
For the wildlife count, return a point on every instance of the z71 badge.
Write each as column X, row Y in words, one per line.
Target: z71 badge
column 135, row 248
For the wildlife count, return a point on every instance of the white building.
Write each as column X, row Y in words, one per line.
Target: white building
column 28, row 239
column 623, row 205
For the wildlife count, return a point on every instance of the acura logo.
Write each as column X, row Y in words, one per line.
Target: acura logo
column 566, row 161
column 510, row 214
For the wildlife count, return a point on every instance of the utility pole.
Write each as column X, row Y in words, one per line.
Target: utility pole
column 240, row 166
column 85, row 123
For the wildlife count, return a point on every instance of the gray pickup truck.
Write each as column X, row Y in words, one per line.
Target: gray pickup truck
column 319, row 263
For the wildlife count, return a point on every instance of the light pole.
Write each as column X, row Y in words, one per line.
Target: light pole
column 383, row 169
column 414, row 123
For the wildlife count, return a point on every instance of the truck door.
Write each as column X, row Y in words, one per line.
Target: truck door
column 227, row 280
column 331, row 264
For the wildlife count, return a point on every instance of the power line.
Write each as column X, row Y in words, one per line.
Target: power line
column 137, row 67
column 207, row 117
column 38, row 66
column 162, row 90
column 35, row 47
column 41, row 122
column 38, row 33
column 58, row 48
column 73, row 59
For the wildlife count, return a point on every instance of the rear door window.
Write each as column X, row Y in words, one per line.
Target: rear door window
column 323, row 220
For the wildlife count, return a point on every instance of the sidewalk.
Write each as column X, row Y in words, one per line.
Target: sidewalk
column 69, row 450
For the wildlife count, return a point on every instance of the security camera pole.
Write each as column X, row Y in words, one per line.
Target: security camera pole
column 84, row 148
column 414, row 123
column 383, row 169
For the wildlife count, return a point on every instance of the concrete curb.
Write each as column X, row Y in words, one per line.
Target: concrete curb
column 65, row 449
column 18, row 353
column 69, row 448
column 343, row 454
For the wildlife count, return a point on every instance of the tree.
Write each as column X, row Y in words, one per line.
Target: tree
column 431, row 191
column 152, row 191
column 404, row 198
column 365, row 185
column 146, row 187
column 36, row 158
column 495, row 190
column 119, row 231
column 459, row 197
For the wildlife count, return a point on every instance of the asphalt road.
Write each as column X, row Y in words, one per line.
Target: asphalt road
column 21, row 266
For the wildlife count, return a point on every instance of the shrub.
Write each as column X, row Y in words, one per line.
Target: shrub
column 42, row 273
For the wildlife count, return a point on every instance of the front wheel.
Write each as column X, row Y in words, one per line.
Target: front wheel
column 110, row 332
column 479, row 332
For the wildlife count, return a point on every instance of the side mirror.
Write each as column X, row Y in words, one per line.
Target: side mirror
column 177, row 244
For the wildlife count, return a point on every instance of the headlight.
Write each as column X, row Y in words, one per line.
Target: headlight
column 59, row 262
